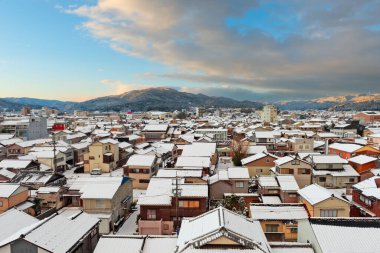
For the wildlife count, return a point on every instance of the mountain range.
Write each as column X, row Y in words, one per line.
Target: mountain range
column 162, row 98
column 167, row 99
column 358, row 102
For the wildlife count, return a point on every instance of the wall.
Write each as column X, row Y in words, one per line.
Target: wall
column 283, row 229
column 342, row 154
column 218, row 189
column 13, row 200
column 302, row 179
column 333, row 203
column 306, row 235
column 264, row 164
column 375, row 206
column 160, row 227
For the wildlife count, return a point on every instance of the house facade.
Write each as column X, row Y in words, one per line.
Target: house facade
column 103, row 154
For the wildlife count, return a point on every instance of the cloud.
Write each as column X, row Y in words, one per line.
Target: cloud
column 327, row 46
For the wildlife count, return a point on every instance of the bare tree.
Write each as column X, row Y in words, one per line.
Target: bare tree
column 239, row 151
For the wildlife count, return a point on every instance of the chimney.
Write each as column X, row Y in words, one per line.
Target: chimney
column 377, row 182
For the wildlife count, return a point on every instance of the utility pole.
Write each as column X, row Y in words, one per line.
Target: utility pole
column 54, row 152
column 177, row 194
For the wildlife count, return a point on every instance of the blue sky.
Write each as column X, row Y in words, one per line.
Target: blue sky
column 257, row 50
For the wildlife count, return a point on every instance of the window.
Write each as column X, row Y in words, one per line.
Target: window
column 303, row 171
column 295, row 162
column 292, row 195
column 293, row 230
column 144, row 181
column 92, row 158
column 151, row 214
column 291, row 171
column 100, row 203
column 239, row 184
column 330, row 166
column 259, row 171
column 267, row 161
column 188, row 203
column 329, row 213
column 365, row 200
column 271, row 228
column 1, row 203
column 322, row 179
column 352, row 180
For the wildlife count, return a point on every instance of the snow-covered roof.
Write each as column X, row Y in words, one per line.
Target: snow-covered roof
column 9, row 142
column 346, row 235
column 256, row 157
column 283, row 160
column 59, row 234
column 6, row 190
column 287, row 182
column 51, row 189
column 32, row 143
column 172, row 173
column 264, row 134
column 315, row 194
column 156, row 127
column 238, row 173
column 187, row 161
column 327, row 135
column 328, row 159
column 199, row 231
column 80, row 145
column 48, row 154
column 362, row 159
column 14, row 163
column 108, row 140
column 199, row 149
column 251, row 150
column 141, row 160
column 347, row 171
column 346, row 147
column 293, row 247
column 230, row 174
column 160, row 191
column 136, row 244
column 278, row 212
column 268, row 181
column 6, row 136
column 369, row 187
column 11, row 222
column 124, row 145
column 100, row 190
column 6, row 173
column 271, row 199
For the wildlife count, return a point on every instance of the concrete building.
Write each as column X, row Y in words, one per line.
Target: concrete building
column 269, row 114
column 26, row 128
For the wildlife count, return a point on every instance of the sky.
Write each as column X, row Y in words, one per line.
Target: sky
column 244, row 49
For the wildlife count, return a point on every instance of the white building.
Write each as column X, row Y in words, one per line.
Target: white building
column 269, row 114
